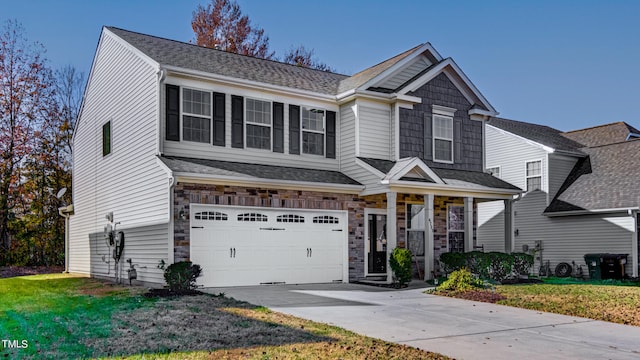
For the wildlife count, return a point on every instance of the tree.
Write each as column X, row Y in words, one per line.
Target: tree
column 25, row 93
column 221, row 25
column 300, row 56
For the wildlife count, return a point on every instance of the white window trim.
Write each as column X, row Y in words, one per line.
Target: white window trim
column 246, row 122
column 457, row 231
column 526, row 177
column 499, row 167
column 323, row 132
column 445, row 112
column 183, row 113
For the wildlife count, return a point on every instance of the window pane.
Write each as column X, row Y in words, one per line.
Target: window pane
column 495, row 171
column 259, row 137
column 456, row 241
column 534, row 183
column 312, row 119
column 534, row 168
column 443, row 150
column 258, row 112
column 443, row 127
column 196, row 102
column 415, row 216
column 416, row 242
column 196, row 129
column 456, row 218
column 312, row 143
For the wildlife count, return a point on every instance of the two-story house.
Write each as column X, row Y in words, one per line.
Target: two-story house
column 264, row 172
column 581, row 191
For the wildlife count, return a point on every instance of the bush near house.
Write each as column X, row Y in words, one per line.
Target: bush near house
column 400, row 262
column 493, row 265
column 181, row 276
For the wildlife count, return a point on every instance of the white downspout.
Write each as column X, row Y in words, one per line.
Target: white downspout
column 162, row 74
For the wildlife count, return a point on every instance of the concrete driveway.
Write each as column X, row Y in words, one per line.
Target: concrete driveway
column 457, row 328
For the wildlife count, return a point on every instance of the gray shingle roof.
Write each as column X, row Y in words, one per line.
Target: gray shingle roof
column 607, row 179
column 193, row 57
column 228, row 168
column 541, row 134
column 449, row 176
column 602, row 134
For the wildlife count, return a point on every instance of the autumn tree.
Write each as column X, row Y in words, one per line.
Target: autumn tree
column 25, row 90
column 221, row 25
column 300, row 56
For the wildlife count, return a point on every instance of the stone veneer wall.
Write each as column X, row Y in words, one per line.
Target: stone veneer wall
column 185, row 194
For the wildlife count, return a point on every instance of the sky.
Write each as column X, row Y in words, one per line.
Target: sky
column 565, row 64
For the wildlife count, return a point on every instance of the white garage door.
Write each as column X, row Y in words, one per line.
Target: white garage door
column 248, row 246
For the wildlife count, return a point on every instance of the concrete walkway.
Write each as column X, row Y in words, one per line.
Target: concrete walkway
column 458, row 328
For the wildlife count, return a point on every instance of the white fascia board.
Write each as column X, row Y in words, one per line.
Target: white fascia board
column 370, row 168
column 546, row 148
column 352, row 95
column 482, row 112
column 425, row 78
column 403, row 166
column 402, row 186
column 591, row 212
column 400, row 64
column 269, row 183
column 232, row 81
column 146, row 58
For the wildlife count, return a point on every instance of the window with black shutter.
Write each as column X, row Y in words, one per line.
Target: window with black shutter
column 278, row 127
column 294, row 129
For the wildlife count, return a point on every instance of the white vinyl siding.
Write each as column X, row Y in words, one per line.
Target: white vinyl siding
column 374, row 130
column 129, row 182
column 559, row 168
column 405, row 74
column 249, row 155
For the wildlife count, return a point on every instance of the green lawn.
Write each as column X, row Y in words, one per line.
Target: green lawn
column 612, row 302
column 64, row 317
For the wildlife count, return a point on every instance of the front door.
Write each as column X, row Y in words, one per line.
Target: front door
column 377, row 241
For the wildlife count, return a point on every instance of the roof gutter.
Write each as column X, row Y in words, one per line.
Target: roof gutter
column 260, row 182
column 628, row 210
column 481, row 192
column 374, row 95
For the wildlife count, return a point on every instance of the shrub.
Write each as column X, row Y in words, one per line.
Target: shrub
column 493, row 265
column 181, row 276
column 400, row 262
column 461, row 280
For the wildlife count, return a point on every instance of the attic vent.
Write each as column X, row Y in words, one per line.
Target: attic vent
column 252, row 217
column 325, row 219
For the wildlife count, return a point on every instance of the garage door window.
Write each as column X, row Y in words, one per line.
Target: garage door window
column 252, row 217
column 290, row 218
column 325, row 219
column 208, row 215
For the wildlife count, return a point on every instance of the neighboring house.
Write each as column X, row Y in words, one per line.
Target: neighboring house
column 581, row 191
column 263, row 172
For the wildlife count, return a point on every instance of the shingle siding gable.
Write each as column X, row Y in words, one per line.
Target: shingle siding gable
column 441, row 91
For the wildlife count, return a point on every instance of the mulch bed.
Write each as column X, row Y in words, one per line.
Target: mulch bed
column 13, row 271
column 168, row 293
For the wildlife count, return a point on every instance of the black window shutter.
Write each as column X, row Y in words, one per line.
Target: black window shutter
column 457, row 140
column 428, row 137
column 294, row 129
column 278, row 127
column 331, row 134
column 172, row 115
column 218, row 119
column 237, row 121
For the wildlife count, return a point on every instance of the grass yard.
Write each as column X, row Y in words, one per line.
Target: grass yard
column 61, row 316
column 614, row 303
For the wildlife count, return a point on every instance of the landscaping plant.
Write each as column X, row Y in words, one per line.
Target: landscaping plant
column 400, row 262
column 460, row 281
column 495, row 266
column 181, row 276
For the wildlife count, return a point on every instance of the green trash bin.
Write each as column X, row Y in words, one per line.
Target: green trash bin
column 593, row 264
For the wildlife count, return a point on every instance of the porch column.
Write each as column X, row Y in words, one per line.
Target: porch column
column 468, row 224
column 429, row 256
column 392, row 230
column 508, row 226
column 635, row 237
